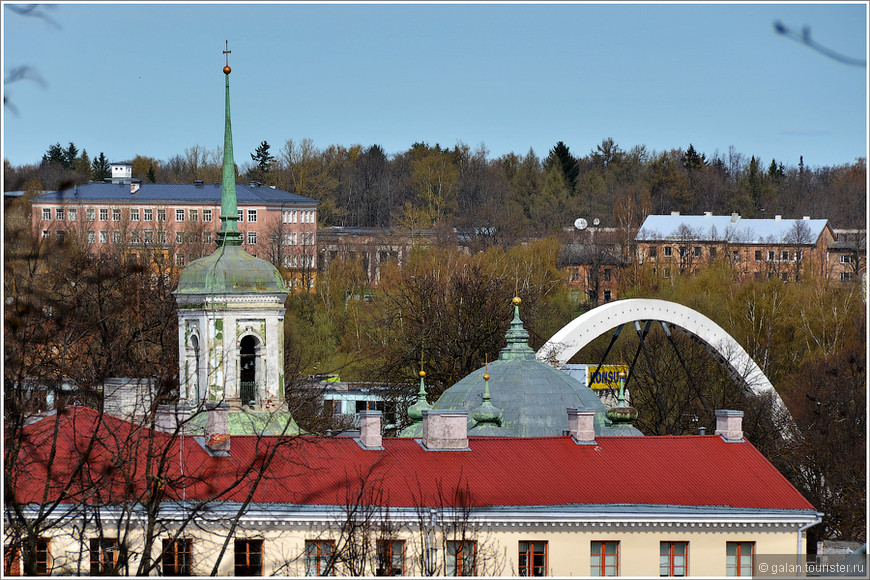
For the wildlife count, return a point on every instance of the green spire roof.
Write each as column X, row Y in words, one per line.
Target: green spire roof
column 622, row 413
column 230, row 269
column 415, row 411
column 487, row 412
column 517, row 337
column 229, row 233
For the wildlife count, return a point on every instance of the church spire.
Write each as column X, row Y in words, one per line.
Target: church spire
column 229, row 234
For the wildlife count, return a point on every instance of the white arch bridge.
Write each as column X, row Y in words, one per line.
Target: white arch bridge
column 585, row 328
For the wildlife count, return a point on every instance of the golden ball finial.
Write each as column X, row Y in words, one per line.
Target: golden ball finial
column 227, row 70
column 516, row 301
column 422, row 374
column 486, row 376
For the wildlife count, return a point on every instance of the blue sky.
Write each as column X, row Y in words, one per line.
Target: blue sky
column 128, row 79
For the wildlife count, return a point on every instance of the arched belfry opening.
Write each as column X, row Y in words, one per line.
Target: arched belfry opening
column 248, row 363
column 197, row 372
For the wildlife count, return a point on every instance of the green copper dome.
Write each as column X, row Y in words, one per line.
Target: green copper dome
column 533, row 397
column 230, row 270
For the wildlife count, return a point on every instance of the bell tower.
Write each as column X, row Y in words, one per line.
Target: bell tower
column 231, row 313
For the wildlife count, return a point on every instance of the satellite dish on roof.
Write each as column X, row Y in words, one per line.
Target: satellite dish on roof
column 596, row 221
column 581, row 224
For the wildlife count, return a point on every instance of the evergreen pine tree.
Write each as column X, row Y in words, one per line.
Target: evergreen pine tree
column 561, row 157
column 264, row 161
column 102, row 169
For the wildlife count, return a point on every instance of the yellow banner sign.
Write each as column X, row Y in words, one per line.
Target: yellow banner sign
column 607, row 377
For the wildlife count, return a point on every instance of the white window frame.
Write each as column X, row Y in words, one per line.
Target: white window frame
column 179, row 215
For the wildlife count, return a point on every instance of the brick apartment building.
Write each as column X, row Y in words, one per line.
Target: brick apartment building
column 757, row 248
column 180, row 221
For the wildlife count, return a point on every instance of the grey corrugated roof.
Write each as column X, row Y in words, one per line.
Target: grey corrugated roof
column 172, row 193
column 711, row 228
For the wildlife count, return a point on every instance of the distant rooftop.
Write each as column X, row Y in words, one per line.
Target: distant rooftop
column 171, row 193
column 732, row 228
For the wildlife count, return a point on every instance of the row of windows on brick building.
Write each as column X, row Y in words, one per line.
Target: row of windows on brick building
column 137, row 236
column 460, row 558
column 181, row 215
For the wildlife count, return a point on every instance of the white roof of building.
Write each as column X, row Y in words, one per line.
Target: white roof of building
column 712, row 228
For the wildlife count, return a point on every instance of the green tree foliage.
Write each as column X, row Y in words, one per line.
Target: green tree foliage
column 263, row 162
column 55, row 155
column 82, row 166
column 101, row 169
column 560, row 156
column 692, row 160
column 668, row 183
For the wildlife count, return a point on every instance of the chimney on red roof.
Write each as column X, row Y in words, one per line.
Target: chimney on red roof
column 581, row 426
column 370, row 429
column 217, row 432
column 447, row 430
column 172, row 418
column 729, row 424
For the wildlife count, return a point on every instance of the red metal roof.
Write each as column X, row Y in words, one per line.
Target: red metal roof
column 700, row 470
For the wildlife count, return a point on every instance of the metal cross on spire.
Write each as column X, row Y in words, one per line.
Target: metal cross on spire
column 227, row 52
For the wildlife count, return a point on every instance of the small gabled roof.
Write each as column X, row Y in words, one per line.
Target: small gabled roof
column 734, row 229
column 525, row 472
column 172, row 193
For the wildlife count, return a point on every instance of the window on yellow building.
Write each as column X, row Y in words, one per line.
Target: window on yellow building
column 104, row 556
column 319, row 557
column 461, row 558
column 249, row 557
column 673, row 558
column 391, row 558
column 11, row 561
column 604, row 559
column 176, row 557
column 739, row 558
column 533, row 559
